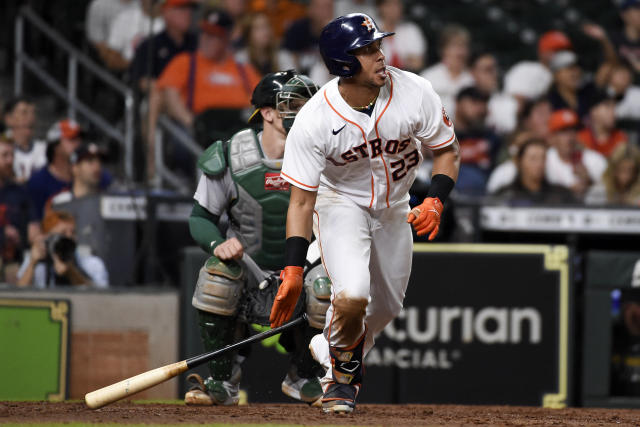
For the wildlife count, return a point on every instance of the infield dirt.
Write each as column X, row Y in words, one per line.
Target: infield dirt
column 298, row 414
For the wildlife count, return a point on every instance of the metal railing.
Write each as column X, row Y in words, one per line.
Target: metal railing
column 69, row 93
column 163, row 173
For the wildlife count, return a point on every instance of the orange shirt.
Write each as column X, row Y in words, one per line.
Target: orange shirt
column 216, row 84
column 587, row 138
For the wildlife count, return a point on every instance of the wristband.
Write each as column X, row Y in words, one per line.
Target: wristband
column 441, row 186
column 295, row 251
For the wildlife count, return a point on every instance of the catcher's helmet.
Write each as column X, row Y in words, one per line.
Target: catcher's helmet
column 294, row 94
column 342, row 36
column 264, row 95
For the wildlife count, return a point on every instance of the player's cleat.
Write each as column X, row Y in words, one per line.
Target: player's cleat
column 304, row 389
column 211, row 392
column 340, row 398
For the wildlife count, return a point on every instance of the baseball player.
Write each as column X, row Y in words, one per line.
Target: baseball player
column 241, row 182
column 351, row 157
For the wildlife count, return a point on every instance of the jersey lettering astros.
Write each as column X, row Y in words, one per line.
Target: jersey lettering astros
column 372, row 160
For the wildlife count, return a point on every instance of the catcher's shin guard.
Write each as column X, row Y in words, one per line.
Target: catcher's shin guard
column 217, row 332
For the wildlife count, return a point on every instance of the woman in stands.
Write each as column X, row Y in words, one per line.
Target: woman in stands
column 261, row 48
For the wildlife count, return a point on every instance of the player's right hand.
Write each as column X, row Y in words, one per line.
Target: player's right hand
column 425, row 217
column 287, row 297
column 229, row 249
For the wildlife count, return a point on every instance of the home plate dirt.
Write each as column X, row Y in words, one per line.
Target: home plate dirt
column 298, row 414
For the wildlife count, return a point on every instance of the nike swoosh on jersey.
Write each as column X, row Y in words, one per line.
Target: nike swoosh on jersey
column 335, row 132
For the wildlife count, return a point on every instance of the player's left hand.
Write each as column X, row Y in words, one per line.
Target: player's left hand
column 287, row 297
column 425, row 217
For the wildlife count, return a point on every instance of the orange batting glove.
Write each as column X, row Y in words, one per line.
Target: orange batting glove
column 426, row 217
column 287, row 296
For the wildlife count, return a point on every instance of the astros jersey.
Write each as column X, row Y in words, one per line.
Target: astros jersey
column 372, row 160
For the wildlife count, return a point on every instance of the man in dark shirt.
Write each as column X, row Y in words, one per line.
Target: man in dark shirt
column 478, row 144
column 302, row 37
column 154, row 53
column 18, row 219
column 63, row 139
column 627, row 41
column 569, row 90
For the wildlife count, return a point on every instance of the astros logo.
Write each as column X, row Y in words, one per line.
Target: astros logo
column 367, row 23
column 445, row 118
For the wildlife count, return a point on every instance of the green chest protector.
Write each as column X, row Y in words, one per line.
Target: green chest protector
column 258, row 214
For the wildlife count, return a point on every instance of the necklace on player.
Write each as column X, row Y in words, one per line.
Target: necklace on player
column 369, row 105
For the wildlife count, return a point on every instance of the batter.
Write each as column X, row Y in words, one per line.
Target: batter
column 351, row 157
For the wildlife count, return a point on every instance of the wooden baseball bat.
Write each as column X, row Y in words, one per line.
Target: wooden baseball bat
column 114, row 392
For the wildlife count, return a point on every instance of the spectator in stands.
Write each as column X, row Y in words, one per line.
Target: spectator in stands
column 100, row 17
column 627, row 40
column 55, row 261
column 86, row 172
column 478, row 144
column 533, row 122
column 128, row 29
column 237, row 10
column 64, row 138
column 302, row 36
column 569, row 90
column 20, row 118
column 619, row 82
column 621, row 181
column 505, row 173
column 524, row 82
column 281, row 13
column 451, row 74
column 534, row 118
column 601, row 134
column 209, row 78
column 530, row 186
column 529, row 80
column 202, row 82
column 18, row 222
column 407, row 49
column 484, row 70
column 154, row 53
column 568, row 163
column 261, row 48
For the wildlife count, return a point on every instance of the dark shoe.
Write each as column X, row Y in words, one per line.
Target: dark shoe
column 340, row 398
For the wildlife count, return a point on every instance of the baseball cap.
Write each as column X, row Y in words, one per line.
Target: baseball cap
column 563, row 119
column 179, row 3
column 562, row 59
column 86, row 151
column 553, row 41
column 66, row 128
column 473, row 93
column 216, row 22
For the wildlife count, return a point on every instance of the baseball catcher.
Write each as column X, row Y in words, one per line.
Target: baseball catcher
column 239, row 219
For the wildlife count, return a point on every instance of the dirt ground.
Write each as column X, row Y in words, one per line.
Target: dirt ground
column 297, row 414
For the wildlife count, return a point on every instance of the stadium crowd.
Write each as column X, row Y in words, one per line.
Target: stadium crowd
column 547, row 129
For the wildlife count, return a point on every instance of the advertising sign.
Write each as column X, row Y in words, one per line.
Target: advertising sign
column 481, row 324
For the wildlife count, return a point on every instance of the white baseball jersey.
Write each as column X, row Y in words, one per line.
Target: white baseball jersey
column 373, row 159
column 26, row 162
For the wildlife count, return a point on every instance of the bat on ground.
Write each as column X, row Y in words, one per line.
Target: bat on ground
column 114, row 392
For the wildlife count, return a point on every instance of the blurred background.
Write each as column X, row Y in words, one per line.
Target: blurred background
column 102, row 124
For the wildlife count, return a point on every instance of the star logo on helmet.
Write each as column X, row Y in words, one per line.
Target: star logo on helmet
column 367, row 23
